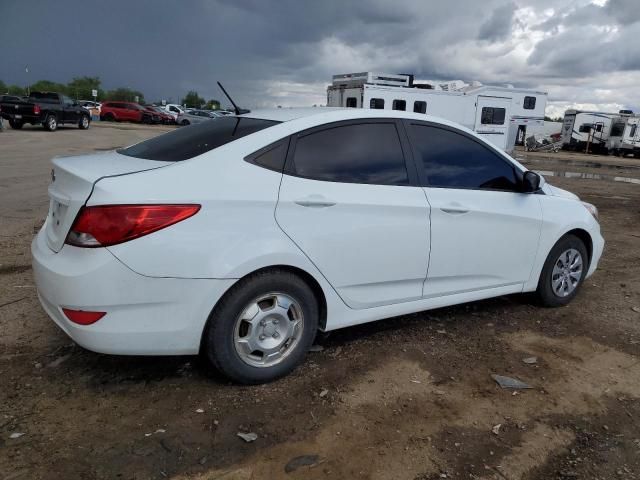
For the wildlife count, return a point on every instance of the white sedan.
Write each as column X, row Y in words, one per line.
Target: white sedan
column 241, row 238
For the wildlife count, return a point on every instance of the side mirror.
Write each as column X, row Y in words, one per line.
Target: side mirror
column 531, row 182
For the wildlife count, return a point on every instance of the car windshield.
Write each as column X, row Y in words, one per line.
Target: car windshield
column 194, row 140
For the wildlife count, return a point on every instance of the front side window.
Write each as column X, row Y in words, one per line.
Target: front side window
column 420, row 107
column 352, row 102
column 399, row 105
column 67, row 100
column 453, row 160
column 529, row 103
column 377, row 103
column 358, row 153
column 492, row 116
column 186, row 143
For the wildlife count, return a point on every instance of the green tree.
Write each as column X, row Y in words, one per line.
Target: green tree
column 16, row 90
column 3, row 87
column 80, row 87
column 125, row 95
column 212, row 105
column 193, row 100
column 48, row 86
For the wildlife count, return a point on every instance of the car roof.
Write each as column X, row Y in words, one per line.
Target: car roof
column 321, row 115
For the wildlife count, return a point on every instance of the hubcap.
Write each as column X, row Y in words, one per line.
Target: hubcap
column 268, row 329
column 567, row 272
column 85, row 122
column 52, row 122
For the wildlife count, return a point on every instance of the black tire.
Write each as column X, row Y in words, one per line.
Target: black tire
column 218, row 345
column 184, row 123
column 16, row 124
column 109, row 117
column 50, row 123
column 84, row 122
column 545, row 293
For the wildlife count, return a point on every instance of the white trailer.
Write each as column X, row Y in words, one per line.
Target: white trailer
column 500, row 114
column 581, row 128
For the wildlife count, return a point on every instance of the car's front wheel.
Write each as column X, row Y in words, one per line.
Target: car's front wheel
column 563, row 272
column 262, row 328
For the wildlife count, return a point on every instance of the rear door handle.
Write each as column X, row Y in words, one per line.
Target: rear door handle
column 315, row 201
column 455, row 210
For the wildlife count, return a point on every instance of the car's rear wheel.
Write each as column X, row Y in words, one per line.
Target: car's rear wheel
column 563, row 272
column 262, row 328
column 50, row 123
column 16, row 124
column 184, row 123
column 84, row 122
column 109, row 117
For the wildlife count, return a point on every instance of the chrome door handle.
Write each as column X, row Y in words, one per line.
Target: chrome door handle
column 315, row 203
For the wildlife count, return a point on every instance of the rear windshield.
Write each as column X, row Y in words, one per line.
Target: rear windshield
column 194, row 140
column 45, row 97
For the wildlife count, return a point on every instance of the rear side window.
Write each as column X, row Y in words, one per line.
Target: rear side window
column 492, row 116
column 272, row 156
column 358, row 153
column 452, row 160
column 420, row 107
column 377, row 103
column 194, row 140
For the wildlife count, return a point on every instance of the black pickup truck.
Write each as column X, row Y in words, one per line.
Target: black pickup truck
column 46, row 108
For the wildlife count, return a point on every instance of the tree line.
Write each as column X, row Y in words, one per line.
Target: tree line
column 80, row 88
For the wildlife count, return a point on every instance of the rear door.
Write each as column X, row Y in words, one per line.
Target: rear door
column 350, row 202
column 492, row 115
column 484, row 231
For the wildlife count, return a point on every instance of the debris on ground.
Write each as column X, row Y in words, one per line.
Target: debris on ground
column 301, row 461
column 316, row 348
column 15, row 435
column 248, row 437
column 508, row 382
column 199, row 410
column 530, row 360
column 324, row 393
column 496, row 429
column 56, row 363
column 636, row 309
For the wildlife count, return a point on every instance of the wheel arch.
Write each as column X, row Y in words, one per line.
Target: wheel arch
column 585, row 237
column 308, row 278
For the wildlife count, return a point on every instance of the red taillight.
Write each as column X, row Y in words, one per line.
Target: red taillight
column 36, row 109
column 82, row 317
column 106, row 225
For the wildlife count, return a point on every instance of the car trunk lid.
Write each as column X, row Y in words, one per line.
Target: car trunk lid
column 72, row 181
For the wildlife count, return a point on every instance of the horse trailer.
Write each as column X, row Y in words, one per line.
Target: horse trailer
column 498, row 113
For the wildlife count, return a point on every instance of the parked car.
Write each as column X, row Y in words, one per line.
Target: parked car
column 174, row 110
column 91, row 105
column 195, row 116
column 124, row 112
column 49, row 109
column 165, row 117
column 242, row 237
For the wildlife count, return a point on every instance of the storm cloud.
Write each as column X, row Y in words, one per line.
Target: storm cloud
column 583, row 53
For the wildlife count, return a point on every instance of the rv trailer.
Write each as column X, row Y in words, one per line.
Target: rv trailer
column 585, row 129
column 499, row 114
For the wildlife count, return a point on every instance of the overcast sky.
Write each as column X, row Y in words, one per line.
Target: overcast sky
column 584, row 53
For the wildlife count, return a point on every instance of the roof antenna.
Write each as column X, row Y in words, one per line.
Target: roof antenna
column 238, row 110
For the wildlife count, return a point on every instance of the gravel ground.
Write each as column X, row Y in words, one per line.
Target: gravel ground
column 406, row 398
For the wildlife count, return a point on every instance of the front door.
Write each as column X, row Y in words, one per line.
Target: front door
column 492, row 119
column 70, row 110
column 350, row 204
column 484, row 231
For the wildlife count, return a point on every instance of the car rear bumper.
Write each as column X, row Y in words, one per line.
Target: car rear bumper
column 145, row 315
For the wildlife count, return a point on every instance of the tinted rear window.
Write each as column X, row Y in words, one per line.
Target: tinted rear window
column 194, row 140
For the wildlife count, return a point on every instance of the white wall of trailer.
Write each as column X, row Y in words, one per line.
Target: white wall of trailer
column 581, row 127
column 631, row 137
